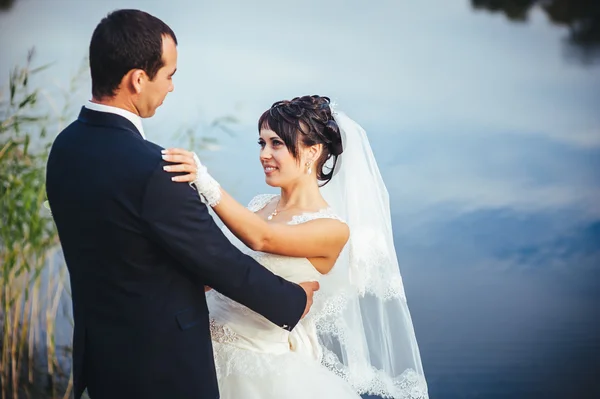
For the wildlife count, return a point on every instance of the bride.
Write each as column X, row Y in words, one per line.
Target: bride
column 330, row 223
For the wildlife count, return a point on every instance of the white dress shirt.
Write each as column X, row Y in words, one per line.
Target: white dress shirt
column 133, row 118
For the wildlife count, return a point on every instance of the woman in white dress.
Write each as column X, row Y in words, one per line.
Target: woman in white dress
column 330, row 223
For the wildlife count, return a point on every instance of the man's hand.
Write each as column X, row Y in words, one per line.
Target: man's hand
column 207, row 288
column 310, row 288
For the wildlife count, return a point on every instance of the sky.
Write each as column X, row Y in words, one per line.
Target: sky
column 462, row 107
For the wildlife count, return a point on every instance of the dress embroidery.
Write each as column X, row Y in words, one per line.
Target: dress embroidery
column 260, row 201
column 221, row 333
column 326, row 213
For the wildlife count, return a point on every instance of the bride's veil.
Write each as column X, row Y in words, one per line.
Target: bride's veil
column 363, row 322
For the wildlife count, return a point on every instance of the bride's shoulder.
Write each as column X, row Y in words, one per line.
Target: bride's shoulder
column 260, row 201
column 323, row 214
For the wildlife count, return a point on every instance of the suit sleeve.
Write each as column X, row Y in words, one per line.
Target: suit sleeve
column 181, row 224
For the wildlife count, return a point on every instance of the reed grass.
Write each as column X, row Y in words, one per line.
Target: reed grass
column 32, row 281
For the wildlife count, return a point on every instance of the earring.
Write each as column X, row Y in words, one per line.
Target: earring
column 309, row 171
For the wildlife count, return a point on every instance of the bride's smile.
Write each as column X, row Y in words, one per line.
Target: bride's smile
column 269, row 169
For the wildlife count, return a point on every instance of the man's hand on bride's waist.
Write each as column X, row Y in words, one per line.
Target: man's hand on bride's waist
column 309, row 288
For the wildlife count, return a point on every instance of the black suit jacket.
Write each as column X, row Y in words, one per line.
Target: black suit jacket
column 139, row 249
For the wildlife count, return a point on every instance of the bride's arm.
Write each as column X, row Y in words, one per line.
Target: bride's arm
column 321, row 238
column 318, row 238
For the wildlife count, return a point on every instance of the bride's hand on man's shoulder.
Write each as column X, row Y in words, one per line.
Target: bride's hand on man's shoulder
column 182, row 161
column 190, row 170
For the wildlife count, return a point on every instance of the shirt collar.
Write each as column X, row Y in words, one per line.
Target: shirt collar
column 133, row 118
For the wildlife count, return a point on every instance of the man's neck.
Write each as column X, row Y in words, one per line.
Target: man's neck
column 117, row 103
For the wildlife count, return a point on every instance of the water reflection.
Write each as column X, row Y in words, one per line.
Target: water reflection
column 498, row 314
column 6, row 5
column 581, row 17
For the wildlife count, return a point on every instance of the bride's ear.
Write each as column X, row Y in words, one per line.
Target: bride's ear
column 314, row 152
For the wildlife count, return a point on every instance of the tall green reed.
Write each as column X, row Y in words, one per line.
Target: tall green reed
column 31, row 278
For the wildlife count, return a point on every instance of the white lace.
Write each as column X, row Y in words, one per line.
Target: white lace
column 208, row 188
column 326, row 213
column 361, row 312
column 409, row 385
column 325, row 316
column 230, row 360
column 221, row 333
column 260, row 201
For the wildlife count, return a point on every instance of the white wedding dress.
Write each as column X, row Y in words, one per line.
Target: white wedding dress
column 358, row 336
column 256, row 359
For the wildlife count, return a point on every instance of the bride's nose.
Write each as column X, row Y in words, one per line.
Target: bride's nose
column 265, row 153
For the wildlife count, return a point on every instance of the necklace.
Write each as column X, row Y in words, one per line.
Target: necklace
column 275, row 212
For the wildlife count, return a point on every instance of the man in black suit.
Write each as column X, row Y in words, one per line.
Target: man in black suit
column 139, row 247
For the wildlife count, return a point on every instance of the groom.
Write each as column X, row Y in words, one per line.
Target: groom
column 139, row 247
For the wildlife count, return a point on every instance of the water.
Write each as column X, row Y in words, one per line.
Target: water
column 487, row 134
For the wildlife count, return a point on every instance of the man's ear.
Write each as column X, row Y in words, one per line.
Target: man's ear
column 137, row 79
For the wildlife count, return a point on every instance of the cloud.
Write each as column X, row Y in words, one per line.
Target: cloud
column 468, row 193
column 471, row 172
column 409, row 65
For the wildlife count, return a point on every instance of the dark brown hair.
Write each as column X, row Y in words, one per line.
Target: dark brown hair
column 306, row 121
column 122, row 41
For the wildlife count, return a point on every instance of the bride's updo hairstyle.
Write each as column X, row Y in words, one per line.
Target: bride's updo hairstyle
column 307, row 121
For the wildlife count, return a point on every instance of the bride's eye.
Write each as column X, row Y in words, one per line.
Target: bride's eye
column 277, row 143
column 261, row 143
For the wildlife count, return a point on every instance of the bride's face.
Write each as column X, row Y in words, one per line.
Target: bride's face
column 279, row 165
